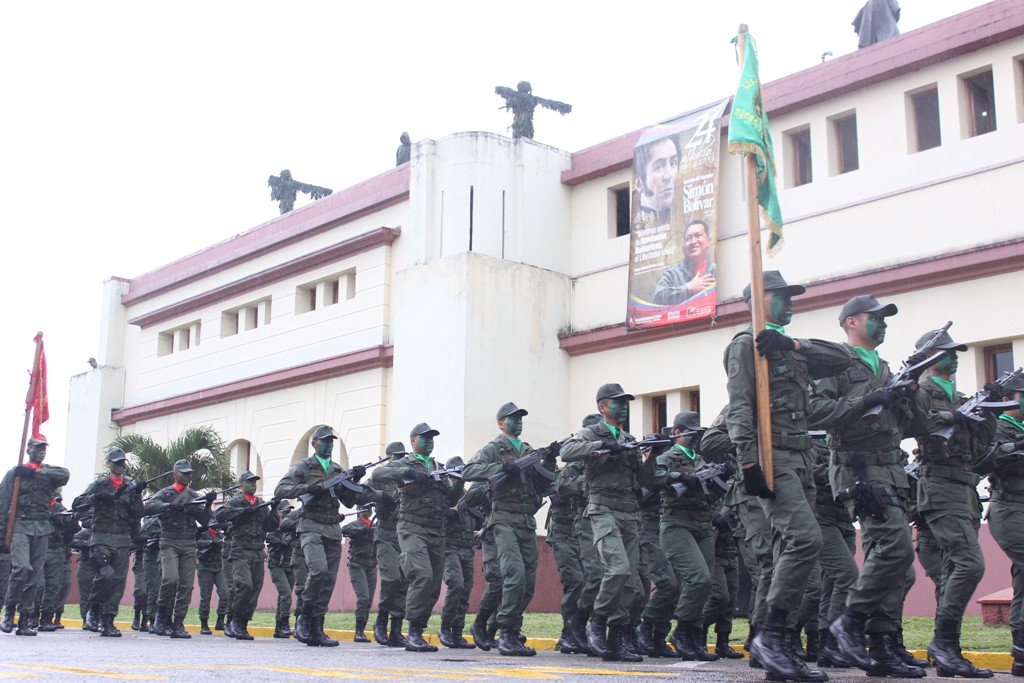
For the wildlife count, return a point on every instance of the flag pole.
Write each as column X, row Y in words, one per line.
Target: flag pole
column 763, row 398
column 24, row 438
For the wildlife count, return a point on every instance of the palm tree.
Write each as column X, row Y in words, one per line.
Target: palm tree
column 201, row 446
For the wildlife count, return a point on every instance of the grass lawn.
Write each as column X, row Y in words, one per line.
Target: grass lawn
column 917, row 631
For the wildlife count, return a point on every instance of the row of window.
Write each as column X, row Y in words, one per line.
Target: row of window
column 311, row 296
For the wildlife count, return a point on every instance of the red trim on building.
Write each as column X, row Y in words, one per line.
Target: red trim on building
column 996, row 259
column 346, row 364
column 966, row 32
column 381, row 237
column 337, row 209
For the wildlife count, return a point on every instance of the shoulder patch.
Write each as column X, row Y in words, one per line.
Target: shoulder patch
column 734, row 367
column 719, row 421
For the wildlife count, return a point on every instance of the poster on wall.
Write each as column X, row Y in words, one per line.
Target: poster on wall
column 674, row 220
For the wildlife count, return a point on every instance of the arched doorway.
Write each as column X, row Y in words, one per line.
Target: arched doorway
column 303, row 449
column 243, row 457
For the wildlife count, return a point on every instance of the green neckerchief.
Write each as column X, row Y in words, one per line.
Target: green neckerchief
column 869, row 357
column 1012, row 420
column 516, row 443
column 425, row 459
column 613, row 430
column 778, row 328
column 946, row 384
column 688, row 452
column 324, row 462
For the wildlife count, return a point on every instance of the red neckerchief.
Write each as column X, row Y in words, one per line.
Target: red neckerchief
column 179, row 487
column 52, row 503
column 366, row 521
column 213, row 534
column 35, row 466
column 251, row 499
column 118, row 481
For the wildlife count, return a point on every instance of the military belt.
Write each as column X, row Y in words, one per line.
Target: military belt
column 868, row 458
column 1014, row 496
column 523, row 508
column 949, row 472
column 33, row 516
column 617, row 504
column 799, row 441
column 688, row 513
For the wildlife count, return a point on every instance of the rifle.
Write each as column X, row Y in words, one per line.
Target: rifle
column 715, row 475
column 634, row 445
column 530, row 461
column 908, row 374
column 436, row 475
column 913, row 470
column 980, row 401
column 201, row 500
column 121, row 490
column 344, row 479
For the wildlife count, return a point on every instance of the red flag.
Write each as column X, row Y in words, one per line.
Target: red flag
column 38, row 401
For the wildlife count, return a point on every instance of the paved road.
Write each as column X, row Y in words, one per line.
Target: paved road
column 74, row 655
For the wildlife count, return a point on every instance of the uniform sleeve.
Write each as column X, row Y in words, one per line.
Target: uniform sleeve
column 483, row 464
column 742, row 418
column 293, row 484
column 663, row 472
column 580, row 445
column 396, row 470
column 157, row 504
column 824, row 358
column 830, row 407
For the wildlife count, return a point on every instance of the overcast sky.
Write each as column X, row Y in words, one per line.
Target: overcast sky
column 134, row 133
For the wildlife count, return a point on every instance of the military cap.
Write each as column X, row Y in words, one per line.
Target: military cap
column 396, row 448
column 323, row 432
column 285, row 506
column 422, row 429
column 34, row 441
column 116, row 455
column 865, row 303
column 508, row 409
column 687, row 421
column 774, row 282
column 945, row 342
column 182, row 466
column 454, row 461
column 612, row 391
column 592, row 419
column 247, row 476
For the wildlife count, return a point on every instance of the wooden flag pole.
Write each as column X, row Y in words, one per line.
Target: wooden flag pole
column 24, row 438
column 762, row 396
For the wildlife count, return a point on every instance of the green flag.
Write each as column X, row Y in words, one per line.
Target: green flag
column 749, row 134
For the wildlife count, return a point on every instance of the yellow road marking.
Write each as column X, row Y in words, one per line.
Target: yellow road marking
column 601, row 672
column 322, row 673
column 90, row 672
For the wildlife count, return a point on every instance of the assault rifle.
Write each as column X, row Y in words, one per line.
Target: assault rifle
column 529, row 462
column 913, row 470
column 344, row 479
column 436, row 475
column 909, row 373
column 981, row 401
column 715, row 476
column 201, row 500
column 634, row 445
column 158, row 477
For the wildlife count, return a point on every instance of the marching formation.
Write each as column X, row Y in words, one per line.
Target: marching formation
column 647, row 534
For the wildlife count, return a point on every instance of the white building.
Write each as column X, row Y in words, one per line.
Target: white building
column 488, row 270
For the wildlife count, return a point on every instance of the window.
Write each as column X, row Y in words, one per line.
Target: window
column 695, row 401
column 798, row 151
column 659, row 413
column 326, row 292
column 844, row 157
column 924, row 116
column 1018, row 67
column 978, row 105
column 998, row 360
column 244, row 318
column 178, row 339
column 618, row 211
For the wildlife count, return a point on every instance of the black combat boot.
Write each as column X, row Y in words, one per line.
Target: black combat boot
column 460, row 642
column 1018, row 653
column 597, row 638
column 829, row 655
column 415, row 642
column 107, row 628
column 478, row 632
column 884, row 661
column 219, row 626
column 753, row 661
column 56, row 620
column 645, row 638
column 509, row 645
column 144, row 623
column 7, row 624
column 723, row 649
column 380, row 628
column 137, row 621
column 774, row 650
column 699, row 635
column 905, row 655
column 92, row 619
column 567, row 644
column 162, row 625
column 34, row 620
column 303, row 627
column 661, row 648
column 445, row 635
column 46, row 623
column 492, row 634
column 243, row 630
column 813, row 644
column 360, row 636
column 682, row 641
column 25, row 625
column 178, row 629
column 577, row 625
column 848, row 630
column 395, row 637
column 317, row 636
column 624, row 647
column 943, row 648
column 281, row 629
column 231, row 629
column 964, row 667
column 204, row 626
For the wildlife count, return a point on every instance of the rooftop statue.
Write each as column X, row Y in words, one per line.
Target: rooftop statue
column 283, row 190
column 876, row 21
column 404, row 150
column 522, row 102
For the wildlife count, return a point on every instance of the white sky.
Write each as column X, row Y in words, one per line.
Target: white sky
column 134, row 133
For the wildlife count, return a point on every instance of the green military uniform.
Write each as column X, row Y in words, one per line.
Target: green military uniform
column 319, row 534
column 32, row 529
column 5, row 570
column 149, row 539
column 721, row 604
column 362, row 569
column 420, row 532
column 461, row 526
column 565, row 546
column 514, row 504
column 84, row 573
column 139, row 595
column 298, row 564
column 210, row 573
column 279, row 559
column 393, row 585
column 250, row 521
column 58, row 565
column 486, row 625
column 570, row 484
column 179, row 516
